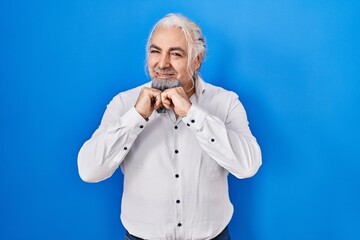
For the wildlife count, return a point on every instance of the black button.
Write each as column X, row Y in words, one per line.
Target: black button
column 188, row 125
column 177, row 175
column 141, row 126
column 125, row 148
column 177, row 201
column 176, row 151
column 213, row 140
column 192, row 120
column 179, row 224
column 176, row 127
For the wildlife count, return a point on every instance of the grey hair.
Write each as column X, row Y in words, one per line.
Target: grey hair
column 196, row 43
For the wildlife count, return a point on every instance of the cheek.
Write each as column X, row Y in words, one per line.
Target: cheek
column 180, row 68
column 151, row 71
column 150, row 65
column 150, row 61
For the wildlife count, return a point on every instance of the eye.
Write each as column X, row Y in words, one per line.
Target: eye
column 176, row 54
column 154, row 51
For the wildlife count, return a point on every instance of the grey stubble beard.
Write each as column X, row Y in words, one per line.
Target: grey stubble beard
column 162, row 84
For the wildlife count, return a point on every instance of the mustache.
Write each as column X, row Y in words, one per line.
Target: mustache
column 164, row 70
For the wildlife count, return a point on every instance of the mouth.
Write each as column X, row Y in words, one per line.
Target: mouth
column 165, row 72
column 165, row 75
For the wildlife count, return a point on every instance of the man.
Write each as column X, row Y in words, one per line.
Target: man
column 176, row 139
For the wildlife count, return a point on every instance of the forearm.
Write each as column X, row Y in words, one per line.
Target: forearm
column 234, row 149
column 102, row 154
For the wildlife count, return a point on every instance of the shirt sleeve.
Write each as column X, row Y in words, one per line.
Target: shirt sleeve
column 102, row 154
column 230, row 143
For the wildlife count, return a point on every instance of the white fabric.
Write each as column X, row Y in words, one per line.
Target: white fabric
column 162, row 164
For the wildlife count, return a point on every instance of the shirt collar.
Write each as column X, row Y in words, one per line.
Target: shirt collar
column 200, row 86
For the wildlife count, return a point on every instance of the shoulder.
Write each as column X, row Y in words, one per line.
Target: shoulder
column 218, row 101
column 218, row 93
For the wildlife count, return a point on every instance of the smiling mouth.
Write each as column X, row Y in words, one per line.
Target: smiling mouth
column 165, row 72
column 165, row 75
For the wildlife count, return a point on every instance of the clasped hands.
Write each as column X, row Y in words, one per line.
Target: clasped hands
column 151, row 99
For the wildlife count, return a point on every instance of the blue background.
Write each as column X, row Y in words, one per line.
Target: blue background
column 294, row 63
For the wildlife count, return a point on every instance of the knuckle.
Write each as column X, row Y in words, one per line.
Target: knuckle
column 144, row 90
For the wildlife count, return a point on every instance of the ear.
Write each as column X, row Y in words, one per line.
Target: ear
column 198, row 61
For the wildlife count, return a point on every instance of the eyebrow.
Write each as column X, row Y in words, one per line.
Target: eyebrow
column 171, row 49
column 154, row 46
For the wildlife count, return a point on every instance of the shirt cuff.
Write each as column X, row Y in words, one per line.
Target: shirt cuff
column 135, row 122
column 195, row 118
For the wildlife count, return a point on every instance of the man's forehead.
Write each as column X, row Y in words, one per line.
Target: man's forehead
column 169, row 36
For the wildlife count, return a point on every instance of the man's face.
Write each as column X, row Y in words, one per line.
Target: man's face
column 168, row 56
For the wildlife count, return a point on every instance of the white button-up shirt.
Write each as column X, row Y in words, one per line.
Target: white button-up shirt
column 175, row 170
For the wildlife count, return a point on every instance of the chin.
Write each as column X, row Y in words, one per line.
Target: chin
column 165, row 83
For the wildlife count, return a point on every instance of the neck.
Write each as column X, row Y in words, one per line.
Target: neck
column 190, row 93
column 191, row 90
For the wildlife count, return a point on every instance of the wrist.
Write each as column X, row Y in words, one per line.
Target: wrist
column 187, row 109
column 145, row 116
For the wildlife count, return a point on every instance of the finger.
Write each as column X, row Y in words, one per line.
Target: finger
column 166, row 95
column 156, row 94
column 167, row 103
column 157, row 101
column 155, row 91
column 151, row 94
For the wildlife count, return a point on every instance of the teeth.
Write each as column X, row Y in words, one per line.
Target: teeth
column 165, row 75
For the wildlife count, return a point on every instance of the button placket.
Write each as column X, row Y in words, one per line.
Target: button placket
column 177, row 179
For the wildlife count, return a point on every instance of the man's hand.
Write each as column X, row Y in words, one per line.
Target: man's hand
column 149, row 100
column 176, row 99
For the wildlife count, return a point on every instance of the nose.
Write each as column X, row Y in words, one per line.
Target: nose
column 164, row 61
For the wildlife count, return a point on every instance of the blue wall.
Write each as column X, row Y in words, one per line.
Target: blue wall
column 295, row 65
